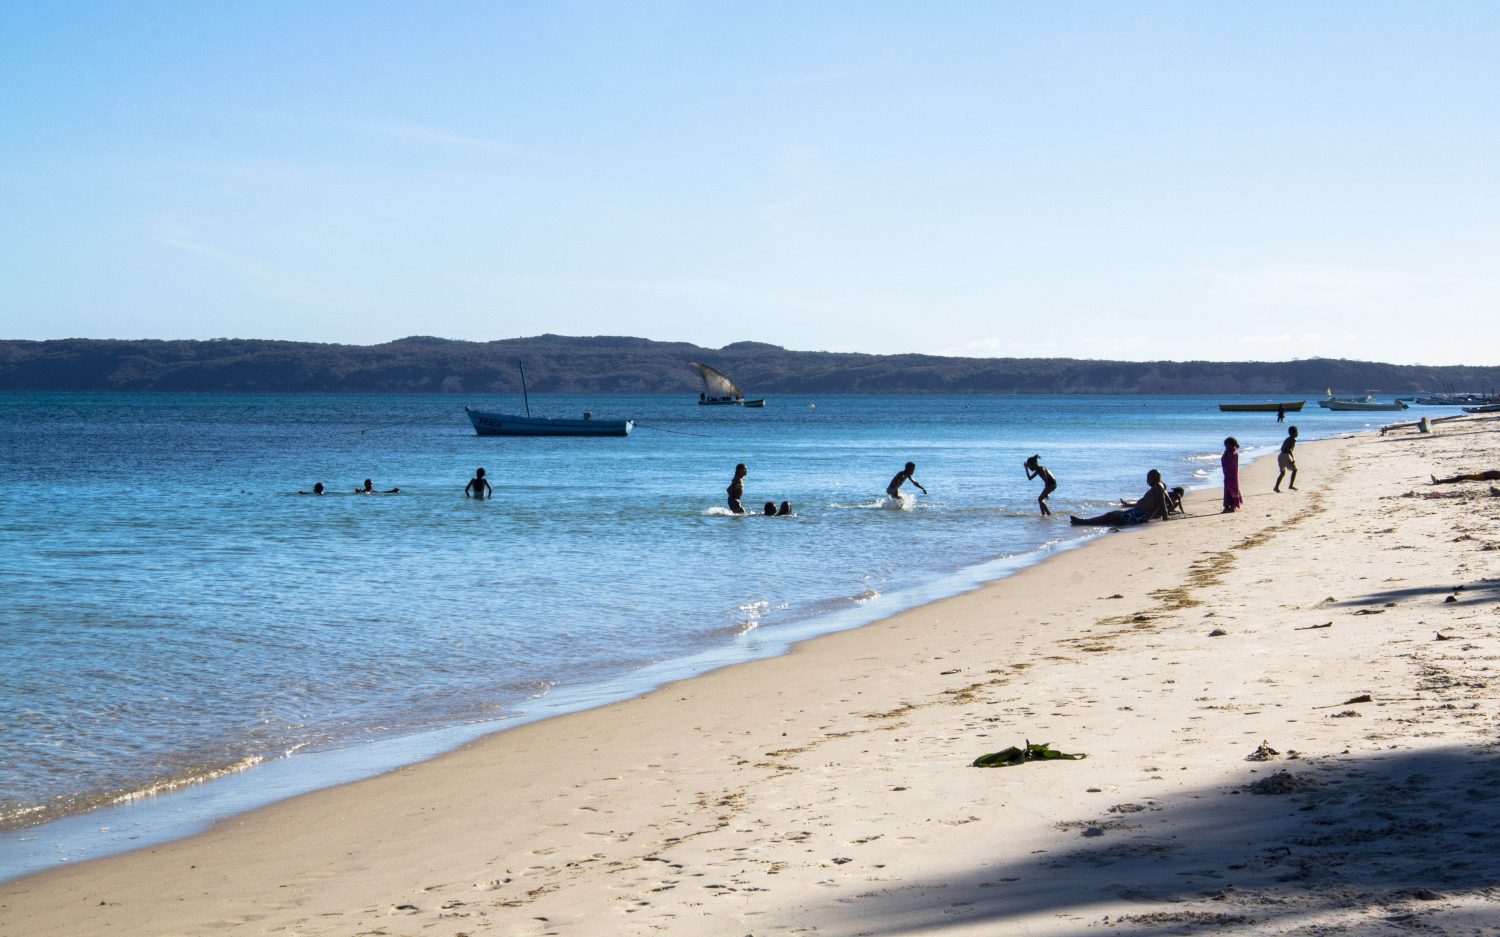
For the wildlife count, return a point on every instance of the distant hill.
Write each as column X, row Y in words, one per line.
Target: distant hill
column 608, row 364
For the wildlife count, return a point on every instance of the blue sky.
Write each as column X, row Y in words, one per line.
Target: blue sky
column 1220, row 181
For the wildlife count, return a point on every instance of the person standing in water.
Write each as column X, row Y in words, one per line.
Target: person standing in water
column 1280, row 414
column 736, row 489
column 1034, row 468
column 479, row 485
column 1286, row 461
column 893, row 490
column 1230, row 463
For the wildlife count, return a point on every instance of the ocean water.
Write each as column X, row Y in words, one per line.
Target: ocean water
column 174, row 612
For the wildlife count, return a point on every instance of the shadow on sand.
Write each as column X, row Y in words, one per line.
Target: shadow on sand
column 1483, row 591
column 1384, row 842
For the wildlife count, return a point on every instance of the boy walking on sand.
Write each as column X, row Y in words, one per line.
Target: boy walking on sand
column 1286, row 461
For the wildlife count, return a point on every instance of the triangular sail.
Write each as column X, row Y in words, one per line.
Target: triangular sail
column 716, row 384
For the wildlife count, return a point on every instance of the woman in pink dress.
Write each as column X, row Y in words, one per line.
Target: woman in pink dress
column 1230, row 460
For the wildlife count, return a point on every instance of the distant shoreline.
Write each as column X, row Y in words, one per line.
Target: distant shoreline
column 624, row 365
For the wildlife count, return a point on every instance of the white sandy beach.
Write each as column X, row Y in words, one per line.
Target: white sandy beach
column 1351, row 627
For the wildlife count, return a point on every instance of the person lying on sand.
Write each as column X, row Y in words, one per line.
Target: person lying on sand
column 1486, row 476
column 1150, row 506
column 893, row 490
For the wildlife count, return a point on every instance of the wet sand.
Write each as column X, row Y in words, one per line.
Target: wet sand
column 1288, row 712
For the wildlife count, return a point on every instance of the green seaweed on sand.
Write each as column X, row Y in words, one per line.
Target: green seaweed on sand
column 1039, row 751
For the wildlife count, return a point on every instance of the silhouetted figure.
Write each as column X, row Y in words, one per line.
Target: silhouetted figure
column 786, row 508
column 1485, row 476
column 1286, row 461
column 1034, row 469
column 736, row 489
column 1150, row 506
column 479, row 485
column 317, row 489
column 893, row 490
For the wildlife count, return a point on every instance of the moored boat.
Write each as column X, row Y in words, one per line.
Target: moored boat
column 1290, row 406
column 1368, row 403
column 487, row 423
column 1484, row 408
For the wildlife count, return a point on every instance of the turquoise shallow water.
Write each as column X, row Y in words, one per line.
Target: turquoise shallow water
column 173, row 610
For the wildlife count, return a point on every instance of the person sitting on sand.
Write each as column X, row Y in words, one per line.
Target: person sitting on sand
column 369, row 489
column 770, row 509
column 317, row 489
column 893, row 490
column 479, row 485
column 736, row 489
column 1150, row 506
column 1286, row 461
column 1034, row 468
column 1489, row 475
column 1174, row 500
column 786, row 509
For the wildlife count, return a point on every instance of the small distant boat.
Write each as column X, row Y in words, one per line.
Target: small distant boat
column 1367, row 403
column 487, row 423
column 1484, row 408
column 1290, row 406
column 720, row 391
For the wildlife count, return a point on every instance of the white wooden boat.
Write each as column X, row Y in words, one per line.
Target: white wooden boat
column 1368, row 403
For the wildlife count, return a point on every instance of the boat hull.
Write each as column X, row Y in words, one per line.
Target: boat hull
column 1364, row 405
column 509, row 424
column 1291, row 406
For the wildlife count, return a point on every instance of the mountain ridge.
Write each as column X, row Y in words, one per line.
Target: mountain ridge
column 626, row 364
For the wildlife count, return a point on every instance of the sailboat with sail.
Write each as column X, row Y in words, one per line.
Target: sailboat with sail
column 720, row 391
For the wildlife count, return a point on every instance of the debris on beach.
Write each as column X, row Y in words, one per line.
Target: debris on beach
column 1282, row 782
column 1264, row 753
column 1326, row 624
column 1361, row 698
column 1038, row 751
column 1217, row 633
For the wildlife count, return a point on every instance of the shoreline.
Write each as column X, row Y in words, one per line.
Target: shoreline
column 192, row 806
column 606, row 788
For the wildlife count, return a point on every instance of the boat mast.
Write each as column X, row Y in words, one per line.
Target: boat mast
column 524, row 396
